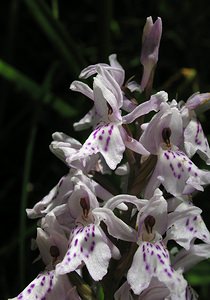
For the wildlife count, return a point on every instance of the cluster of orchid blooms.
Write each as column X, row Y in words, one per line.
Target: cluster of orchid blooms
column 120, row 236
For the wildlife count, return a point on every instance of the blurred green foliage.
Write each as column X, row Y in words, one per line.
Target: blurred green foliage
column 44, row 45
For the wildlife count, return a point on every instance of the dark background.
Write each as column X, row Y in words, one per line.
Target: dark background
column 44, row 45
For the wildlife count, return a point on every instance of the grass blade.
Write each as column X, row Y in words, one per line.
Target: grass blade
column 35, row 91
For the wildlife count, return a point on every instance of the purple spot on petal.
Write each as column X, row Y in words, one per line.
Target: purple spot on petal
column 166, row 155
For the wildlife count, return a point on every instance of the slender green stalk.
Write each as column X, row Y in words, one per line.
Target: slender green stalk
column 24, row 198
column 55, row 9
column 56, row 33
column 34, row 90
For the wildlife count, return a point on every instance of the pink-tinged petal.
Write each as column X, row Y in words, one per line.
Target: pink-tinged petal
column 86, row 246
column 117, row 70
column 133, row 86
column 185, row 260
column 196, row 100
column 81, row 87
column 128, row 105
column 195, row 140
column 157, row 208
column 185, row 224
column 158, row 291
column 115, row 226
column 46, row 239
column 123, row 293
column 152, row 260
column 62, row 137
column 73, row 295
column 154, row 183
column 81, row 191
column 101, row 192
column 114, row 250
column 150, row 48
column 58, row 195
column 107, row 140
column 177, row 173
column 132, row 144
column 167, row 117
column 64, row 145
column 46, row 286
column 91, row 70
column 86, row 122
column 146, row 107
column 68, row 147
column 114, row 68
column 100, row 101
column 110, row 82
column 190, row 294
column 106, row 88
column 119, row 199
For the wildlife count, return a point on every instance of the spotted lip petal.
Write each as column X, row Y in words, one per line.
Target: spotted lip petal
column 47, row 286
column 186, row 224
column 177, row 173
column 86, row 245
column 64, row 149
column 195, row 140
column 152, row 260
column 107, row 140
